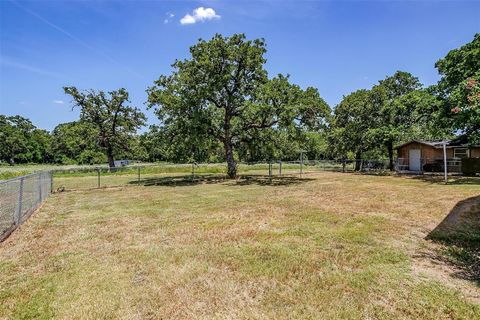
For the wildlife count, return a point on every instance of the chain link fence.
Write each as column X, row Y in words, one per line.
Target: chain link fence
column 166, row 173
column 19, row 197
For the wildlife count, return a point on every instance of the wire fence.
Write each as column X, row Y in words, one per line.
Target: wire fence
column 19, row 197
column 156, row 174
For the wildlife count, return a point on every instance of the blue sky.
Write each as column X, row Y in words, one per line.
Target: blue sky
column 335, row 46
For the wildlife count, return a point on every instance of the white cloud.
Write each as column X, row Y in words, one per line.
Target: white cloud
column 168, row 18
column 58, row 101
column 199, row 14
column 188, row 19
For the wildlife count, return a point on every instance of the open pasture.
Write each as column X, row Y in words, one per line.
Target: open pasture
column 327, row 245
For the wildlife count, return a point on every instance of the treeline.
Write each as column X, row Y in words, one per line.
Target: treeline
column 77, row 143
column 369, row 123
column 221, row 105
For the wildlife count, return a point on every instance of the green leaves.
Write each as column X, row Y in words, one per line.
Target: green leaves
column 352, row 120
column 459, row 65
column 21, row 141
column 391, row 112
column 459, row 90
column 108, row 113
column 222, row 93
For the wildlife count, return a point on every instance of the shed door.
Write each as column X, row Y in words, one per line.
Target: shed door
column 414, row 160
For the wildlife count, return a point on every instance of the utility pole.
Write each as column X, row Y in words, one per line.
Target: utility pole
column 445, row 161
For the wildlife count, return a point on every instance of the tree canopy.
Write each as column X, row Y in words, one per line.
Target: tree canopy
column 459, row 89
column 22, row 142
column 220, row 104
column 394, row 114
column 352, row 119
column 223, row 93
column 76, row 142
column 116, row 123
column 393, row 111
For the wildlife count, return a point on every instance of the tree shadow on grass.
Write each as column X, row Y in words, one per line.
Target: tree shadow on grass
column 459, row 233
column 439, row 179
column 242, row 180
column 378, row 173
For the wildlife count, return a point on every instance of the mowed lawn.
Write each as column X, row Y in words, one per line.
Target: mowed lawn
column 331, row 245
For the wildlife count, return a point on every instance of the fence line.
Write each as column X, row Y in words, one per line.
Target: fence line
column 149, row 174
column 19, row 197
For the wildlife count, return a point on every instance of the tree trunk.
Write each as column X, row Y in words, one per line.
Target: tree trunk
column 358, row 157
column 231, row 164
column 390, row 155
column 111, row 161
column 228, row 145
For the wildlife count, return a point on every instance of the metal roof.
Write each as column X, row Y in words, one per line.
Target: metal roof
column 435, row 144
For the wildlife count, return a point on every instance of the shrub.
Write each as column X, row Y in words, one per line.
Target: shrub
column 470, row 166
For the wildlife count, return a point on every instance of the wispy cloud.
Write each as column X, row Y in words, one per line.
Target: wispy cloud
column 58, row 101
column 168, row 18
column 19, row 65
column 74, row 38
column 199, row 14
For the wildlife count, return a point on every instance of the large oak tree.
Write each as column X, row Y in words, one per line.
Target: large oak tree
column 223, row 92
column 109, row 113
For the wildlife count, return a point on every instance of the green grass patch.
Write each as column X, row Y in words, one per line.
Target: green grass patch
column 328, row 246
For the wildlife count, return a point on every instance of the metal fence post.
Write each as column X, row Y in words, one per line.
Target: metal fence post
column 20, row 199
column 138, row 175
column 280, row 168
column 301, row 163
column 51, row 180
column 40, row 176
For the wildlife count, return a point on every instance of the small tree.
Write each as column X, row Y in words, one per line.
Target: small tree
column 223, row 93
column 352, row 120
column 394, row 116
column 115, row 121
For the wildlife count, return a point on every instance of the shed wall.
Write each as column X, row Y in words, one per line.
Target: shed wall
column 427, row 152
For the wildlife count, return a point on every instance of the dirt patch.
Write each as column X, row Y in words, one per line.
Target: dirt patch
column 451, row 252
column 429, row 264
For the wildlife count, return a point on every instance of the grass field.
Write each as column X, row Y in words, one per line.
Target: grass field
column 164, row 168
column 330, row 245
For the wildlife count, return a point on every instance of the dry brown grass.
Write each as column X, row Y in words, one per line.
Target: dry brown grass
column 331, row 246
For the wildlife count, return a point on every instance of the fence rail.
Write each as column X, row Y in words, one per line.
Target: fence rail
column 19, row 197
column 429, row 165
